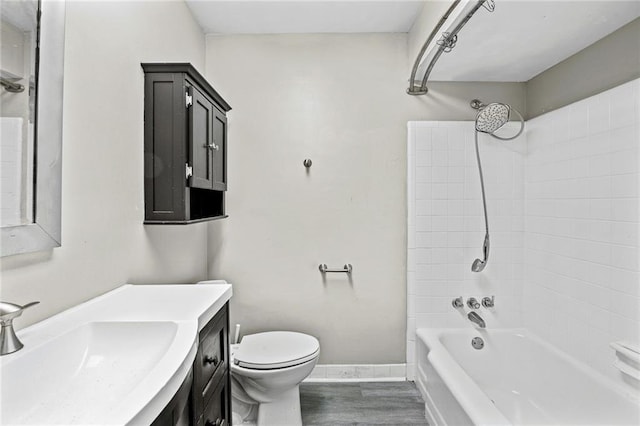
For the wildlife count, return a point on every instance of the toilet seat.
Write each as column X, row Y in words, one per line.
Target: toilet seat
column 275, row 349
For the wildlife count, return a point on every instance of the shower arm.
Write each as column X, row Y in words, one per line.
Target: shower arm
column 422, row 89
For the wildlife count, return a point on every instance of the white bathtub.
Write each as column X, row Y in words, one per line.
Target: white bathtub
column 516, row 379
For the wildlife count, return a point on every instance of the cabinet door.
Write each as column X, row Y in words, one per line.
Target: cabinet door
column 201, row 144
column 216, row 409
column 219, row 150
column 165, row 147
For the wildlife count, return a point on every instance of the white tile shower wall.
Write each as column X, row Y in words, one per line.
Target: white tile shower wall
column 446, row 226
column 582, row 287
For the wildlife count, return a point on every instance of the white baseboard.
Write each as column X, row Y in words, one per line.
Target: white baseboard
column 358, row 373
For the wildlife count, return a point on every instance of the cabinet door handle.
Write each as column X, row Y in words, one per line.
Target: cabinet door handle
column 210, row 360
column 216, row 147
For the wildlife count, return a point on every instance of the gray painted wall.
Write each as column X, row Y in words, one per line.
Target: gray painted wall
column 104, row 243
column 340, row 100
column 605, row 64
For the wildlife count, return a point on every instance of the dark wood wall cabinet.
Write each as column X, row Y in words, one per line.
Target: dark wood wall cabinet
column 204, row 398
column 185, row 146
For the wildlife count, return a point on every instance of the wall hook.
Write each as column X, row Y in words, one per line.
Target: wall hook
column 307, row 162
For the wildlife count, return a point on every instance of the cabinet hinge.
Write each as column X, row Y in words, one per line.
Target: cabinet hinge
column 188, row 171
column 188, row 100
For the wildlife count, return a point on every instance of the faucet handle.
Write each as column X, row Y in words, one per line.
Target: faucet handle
column 457, row 302
column 9, row 311
column 9, row 342
column 473, row 303
column 488, row 302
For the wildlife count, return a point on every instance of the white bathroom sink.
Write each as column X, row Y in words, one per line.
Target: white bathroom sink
column 83, row 374
column 116, row 359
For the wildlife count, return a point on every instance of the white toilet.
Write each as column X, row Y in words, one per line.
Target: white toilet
column 266, row 369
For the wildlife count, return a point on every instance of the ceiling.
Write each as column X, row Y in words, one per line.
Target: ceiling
column 304, row 16
column 516, row 42
column 522, row 38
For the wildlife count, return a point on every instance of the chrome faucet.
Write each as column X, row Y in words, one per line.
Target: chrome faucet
column 9, row 342
column 476, row 319
column 472, row 303
column 489, row 302
column 457, row 302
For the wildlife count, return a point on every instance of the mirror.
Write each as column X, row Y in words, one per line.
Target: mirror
column 31, row 77
column 17, row 77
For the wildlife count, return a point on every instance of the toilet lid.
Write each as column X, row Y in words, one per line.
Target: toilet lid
column 276, row 349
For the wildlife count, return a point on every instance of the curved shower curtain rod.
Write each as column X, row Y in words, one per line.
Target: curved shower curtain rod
column 445, row 44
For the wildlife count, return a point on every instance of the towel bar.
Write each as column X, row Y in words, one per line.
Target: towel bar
column 324, row 268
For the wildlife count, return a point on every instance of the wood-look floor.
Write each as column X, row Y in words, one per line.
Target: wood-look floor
column 365, row 403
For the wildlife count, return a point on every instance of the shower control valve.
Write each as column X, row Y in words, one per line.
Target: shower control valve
column 473, row 303
column 488, row 302
column 457, row 302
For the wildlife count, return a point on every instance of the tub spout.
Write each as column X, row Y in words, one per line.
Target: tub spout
column 476, row 319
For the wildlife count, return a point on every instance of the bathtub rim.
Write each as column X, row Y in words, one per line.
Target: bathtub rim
column 474, row 401
column 476, row 404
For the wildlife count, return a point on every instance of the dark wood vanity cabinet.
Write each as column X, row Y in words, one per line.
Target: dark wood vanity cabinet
column 179, row 411
column 185, row 146
column 204, row 398
column 212, row 379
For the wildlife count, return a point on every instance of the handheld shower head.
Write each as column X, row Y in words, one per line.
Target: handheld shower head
column 478, row 264
column 492, row 117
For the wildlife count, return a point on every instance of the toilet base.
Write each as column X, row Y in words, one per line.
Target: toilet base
column 285, row 411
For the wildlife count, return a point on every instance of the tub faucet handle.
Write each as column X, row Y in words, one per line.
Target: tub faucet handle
column 488, row 302
column 457, row 302
column 473, row 303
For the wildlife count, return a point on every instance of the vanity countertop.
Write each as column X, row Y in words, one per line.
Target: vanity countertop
column 115, row 359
